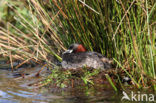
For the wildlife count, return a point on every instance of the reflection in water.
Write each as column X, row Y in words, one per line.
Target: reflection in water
column 18, row 91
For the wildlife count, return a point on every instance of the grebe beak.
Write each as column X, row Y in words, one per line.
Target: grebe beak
column 68, row 51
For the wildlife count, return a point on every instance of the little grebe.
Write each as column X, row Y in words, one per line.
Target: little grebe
column 77, row 57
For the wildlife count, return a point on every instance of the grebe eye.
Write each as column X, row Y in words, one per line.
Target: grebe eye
column 71, row 47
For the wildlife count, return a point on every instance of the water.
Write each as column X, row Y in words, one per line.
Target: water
column 13, row 90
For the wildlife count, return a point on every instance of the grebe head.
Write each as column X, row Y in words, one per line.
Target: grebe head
column 75, row 48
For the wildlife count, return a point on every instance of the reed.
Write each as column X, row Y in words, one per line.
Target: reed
column 30, row 35
column 122, row 30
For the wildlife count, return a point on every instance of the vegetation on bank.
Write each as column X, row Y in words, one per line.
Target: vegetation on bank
column 122, row 30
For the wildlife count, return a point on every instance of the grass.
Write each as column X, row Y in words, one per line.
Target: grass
column 124, row 31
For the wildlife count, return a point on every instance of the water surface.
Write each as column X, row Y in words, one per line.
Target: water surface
column 14, row 89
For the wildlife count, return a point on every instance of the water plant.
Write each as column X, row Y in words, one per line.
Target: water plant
column 123, row 30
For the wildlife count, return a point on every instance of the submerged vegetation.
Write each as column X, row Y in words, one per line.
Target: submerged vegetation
column 122, row 30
